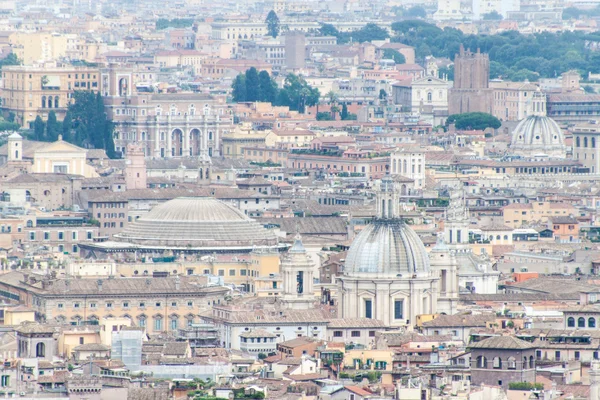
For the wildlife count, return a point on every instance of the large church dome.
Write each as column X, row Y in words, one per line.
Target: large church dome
column 538, row 134
column 387, row 248
column 197, row 222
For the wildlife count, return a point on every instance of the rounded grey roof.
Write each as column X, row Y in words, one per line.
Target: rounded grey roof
column 197, row 222
column 387, row 248
column 538, row 134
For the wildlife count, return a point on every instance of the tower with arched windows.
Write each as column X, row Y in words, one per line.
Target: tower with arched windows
column 36, row 341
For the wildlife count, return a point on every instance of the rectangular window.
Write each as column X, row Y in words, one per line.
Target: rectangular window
column 398, row 309
column 158, row 304
column 158, row 324
column 355, row 334
column 76, row 305
column 577, row 356
column 174, row 304
column 60, row 305
column 81, row 340
column 126, row 304
column 92, row 305
column 31, row 235
column 337, row 334
column 89, row 235
column 173, row 324
column 371, row 333
column 190, row 303
column 221, row 272
column 46, row 235
column 74, row 235
column 368, row 308
column 243, row 272
column 61, row 235
column 5, row 381
column 142, row 304
column 108, row 305
column 232, row 272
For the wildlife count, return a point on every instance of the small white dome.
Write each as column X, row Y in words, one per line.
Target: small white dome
column 538, row 134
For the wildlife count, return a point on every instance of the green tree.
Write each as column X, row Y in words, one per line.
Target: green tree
column 273, row 25
column 344, row 113
column 297, row 94
column 492, row 16
column 163, row 23
column 368, row 33
column 38, row 129
column 239, row 88
column 334, row 110
column 10, row 59
column 416, row 12
column 395, row 55
column 252, row 85
column 262, row 356
column 589, row 89
column 268, row 87
column 474, row 120
column 382, row 94
column 53, row 127
column 324, row 116
column 88, row 121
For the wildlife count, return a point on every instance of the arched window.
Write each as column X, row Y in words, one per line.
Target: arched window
column 29, row 223
column 43, row 101
column 577, row 142
column 40, row 350
column 591, row 322
column 481, row 362
column 429, row 97
column 505, row 237
column 210, row 135
column 55, row 101
column 497, row 237
column 581, row 322
column 512, row 363
column 531, row 363
column 585, row 142
column 497, row 363
column 571, row 322
column 142, row 321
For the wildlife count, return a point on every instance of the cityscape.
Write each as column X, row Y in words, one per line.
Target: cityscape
column 300, row 199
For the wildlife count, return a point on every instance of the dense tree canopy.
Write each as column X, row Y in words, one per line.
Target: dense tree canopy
column 255, row 86
column 273, row 25
column 395, row 55
column 86, row 124
column 10, row 59
column 474, row 120
column 367, row 33
column 513, row 56
column 163, row 23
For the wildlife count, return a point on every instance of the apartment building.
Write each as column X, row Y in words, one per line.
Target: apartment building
column 31, row 91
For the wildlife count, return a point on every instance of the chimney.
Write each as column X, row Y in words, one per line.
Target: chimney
column 177, row 282
column 99, row 285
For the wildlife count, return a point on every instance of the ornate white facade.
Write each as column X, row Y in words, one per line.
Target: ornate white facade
column 387, row 275
column 165, row 125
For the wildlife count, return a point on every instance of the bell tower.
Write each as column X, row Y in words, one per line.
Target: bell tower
column 456, row 227
column 388, row 201
column 297, row 272
column 15, row 148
